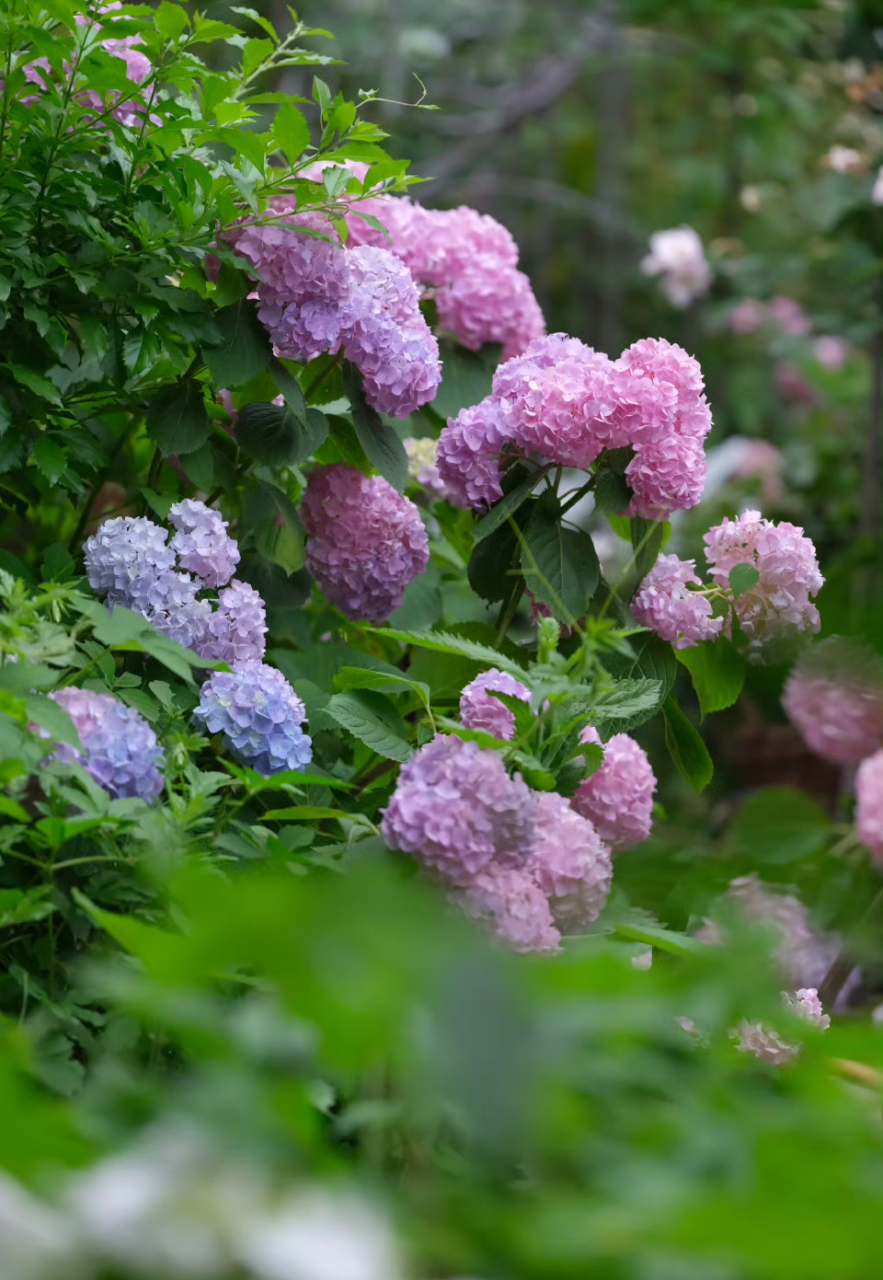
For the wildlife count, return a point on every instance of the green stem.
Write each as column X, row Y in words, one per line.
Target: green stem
column 508, row 610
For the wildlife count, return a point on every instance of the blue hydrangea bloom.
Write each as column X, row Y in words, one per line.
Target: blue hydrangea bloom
column 120, row 749
column 259, row 715
column 125, row 561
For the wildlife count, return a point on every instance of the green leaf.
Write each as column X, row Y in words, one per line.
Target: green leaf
column 19, row 906
column 171, row 20
column 612, row 494
column 380, row 681
column 49, row 459
column 648, row 539
column 271, row 519
column 20, row 678
column 686, row 747
column 176, row 418
column 507, row 506
column 493, row 564
column 560, row 565
column 244, row 348
column 629, row 704
column 678, row 944
column 742, row 578
column 717, row 671
column 382, row 446
column 289, row 388
column 458, row 646
column 290, row 131
column 372, row 719
column 652, row 658
column 781, row 824
column 272, row 433
column 52, row 717
column 36, row 382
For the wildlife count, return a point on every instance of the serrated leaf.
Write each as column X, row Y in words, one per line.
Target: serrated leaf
column 631, row 703
column 382, row 446
column 686, row 747
column 652, row 658
column 560, row 565
column 717, row 671
column 176, row 418
column 26, row 906
column 291, row 132
column 36, row 382
column 171, row 20
column 372, row 719
column 648, row 538
column 49, row 459
column 493, row 564
column 244, row 349
column 272, row 433
column 457, row 646
column 612, row 494
column 380, row 682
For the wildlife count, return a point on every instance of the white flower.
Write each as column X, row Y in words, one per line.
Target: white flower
column 321, row 1235
column 677, row 255
column 843, row 159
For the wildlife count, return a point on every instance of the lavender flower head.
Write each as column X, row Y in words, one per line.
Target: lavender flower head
column 201, row 542
column 456, row 810
column 569, row 863
column 479, row 709
column 235, row 631
column 834, row 696
column 259, row 715
column 869, row 804
column 666, row 605
column 618, row 797
column 513, row 904
column 126, row 558
column 120, row 750
column 366, row 544
column 778, row 609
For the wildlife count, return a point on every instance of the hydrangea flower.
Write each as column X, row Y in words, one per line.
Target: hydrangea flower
column 491, row 302
column 479, row 709
column 259, row 715
column 665, row 604
column 834, row 696
column 666, row 476
column 765, row 1042
column 456, row 810
column 677, row 256
column 569, row 863
column 120, row 750
column 124, row 560
column 869, row 804
column 512, row 902
column 366, row 542
column 235, row 631
column 201, row 542
column 618, row 797
column 468, row 455
column 778, row 609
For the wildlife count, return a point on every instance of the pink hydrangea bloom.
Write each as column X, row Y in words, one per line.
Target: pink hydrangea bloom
column 479, row 709
column 778, row 609
column 673, row 390
column 788, row 315
column 747, row 316
column 765, row 1042
column 666, row 476
column 456, row 809
column 468, row 455
column 367, row 542
column 490, row 302
column 664, row 604
column 618, row 797
column 831, row 351
column 869, row 804
column 834, row 696
column 513, row 903
column 569, row 863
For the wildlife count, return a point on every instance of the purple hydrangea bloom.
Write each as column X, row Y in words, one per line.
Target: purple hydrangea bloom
column 569, row 863
column 366, row 541
column 124, row 560
column 201, row 542
column 468, row 455
column 869, row 804
column 665, row 604
column 512, row 902
column 259, row 715
column 456, row 809
column 176, row 612
column 235, row 631
column 618, row 797
column 120, row 750
column 479, row 709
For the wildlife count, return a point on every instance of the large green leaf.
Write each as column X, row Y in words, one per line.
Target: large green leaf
column 458, row 646
column 560, row 565
column 382, row 446
column 176, row 418
column 273, row 434
column 686, row 747
column 244, row 349
column 371, row 718
column 717, row 671
column 629, row 704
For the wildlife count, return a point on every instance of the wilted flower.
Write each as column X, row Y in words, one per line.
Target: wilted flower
column 366, row 543
column 119, row 748
column 260, row 716
column 678, row 257
column 618, row 797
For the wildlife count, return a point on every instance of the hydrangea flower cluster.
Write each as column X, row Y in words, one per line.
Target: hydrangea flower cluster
column 469, row 262
column 479, row 709
column 565, row 403
column 665, row 604
column 677, row 256
column 525, row 862
column 131, row 562
column 317, row 296
column 778, row 609
column 119, row 748
column 869, row 804
column 765, row 1042
column 834, row 696
column 259, row 715
column 618, row 797
column 423, row 465
column 366, row 541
